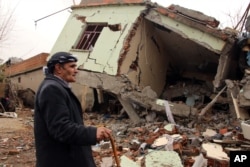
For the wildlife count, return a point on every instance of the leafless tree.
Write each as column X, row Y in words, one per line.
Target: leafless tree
column 6, row 21
column 238, row 20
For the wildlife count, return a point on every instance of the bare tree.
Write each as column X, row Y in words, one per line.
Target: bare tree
column 6, row 21
column 242, row 22
column 239, row 19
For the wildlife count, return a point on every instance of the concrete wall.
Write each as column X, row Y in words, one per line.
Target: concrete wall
column 149, row 58
column 28, row 80
column 28, row 73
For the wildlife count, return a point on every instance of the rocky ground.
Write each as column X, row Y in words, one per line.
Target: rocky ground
column 131, row 141
column 17, row 140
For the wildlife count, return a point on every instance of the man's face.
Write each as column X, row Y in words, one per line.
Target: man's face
column 67, row 71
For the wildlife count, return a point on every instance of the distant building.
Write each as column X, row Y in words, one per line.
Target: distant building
column 26, row 73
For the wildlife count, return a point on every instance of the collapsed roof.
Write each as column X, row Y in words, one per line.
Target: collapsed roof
column 138, row 49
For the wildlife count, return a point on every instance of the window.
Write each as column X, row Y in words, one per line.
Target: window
column 90, row 36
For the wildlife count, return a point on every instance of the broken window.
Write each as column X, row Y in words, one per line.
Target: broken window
column 91, row 33
column 89, row 36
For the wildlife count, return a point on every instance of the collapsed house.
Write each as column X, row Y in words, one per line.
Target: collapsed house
column 149, row 56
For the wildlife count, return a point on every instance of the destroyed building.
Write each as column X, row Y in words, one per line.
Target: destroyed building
column 141, row 52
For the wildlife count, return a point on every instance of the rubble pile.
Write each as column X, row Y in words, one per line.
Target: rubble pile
column 199, row 127
column 205, row 143
column 156, row 140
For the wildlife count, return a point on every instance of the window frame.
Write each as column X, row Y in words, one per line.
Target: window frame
column 89, row 36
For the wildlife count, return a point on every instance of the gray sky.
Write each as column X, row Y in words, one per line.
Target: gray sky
column 27, row 39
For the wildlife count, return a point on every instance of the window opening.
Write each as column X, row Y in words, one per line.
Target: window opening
column 89, row 37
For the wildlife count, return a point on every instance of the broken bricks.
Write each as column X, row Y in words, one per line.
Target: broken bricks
column 155, row 142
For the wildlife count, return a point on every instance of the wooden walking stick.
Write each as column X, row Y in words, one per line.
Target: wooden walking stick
column 114, row 150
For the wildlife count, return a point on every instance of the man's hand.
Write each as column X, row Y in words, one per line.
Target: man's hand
column 102, row 133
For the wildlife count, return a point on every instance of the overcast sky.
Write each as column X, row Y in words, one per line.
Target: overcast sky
column 28, row 39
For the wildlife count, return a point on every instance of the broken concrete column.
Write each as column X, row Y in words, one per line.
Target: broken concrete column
column 130, row 110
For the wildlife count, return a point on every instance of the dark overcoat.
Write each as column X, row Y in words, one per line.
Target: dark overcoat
column 61, row 139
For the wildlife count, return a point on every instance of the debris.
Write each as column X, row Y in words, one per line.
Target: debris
column 162, row 141
column 169, row 127
column 169, row 145
column 209, row 133
column 151, row 117
column 13, row 152
column 235, row 106
column 107, row 162
column 238, row 99
column 130, row 110
column 125, row 162
column 209, row 105
column 169, row 113
column 104, row 145
column 143, row 148
column 177, row 109
column 200, row 161
column 8, row 115
column 215, row 151
column 245, row 125
column 162, row 158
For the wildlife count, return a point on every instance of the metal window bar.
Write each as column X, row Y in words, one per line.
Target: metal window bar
column 89, row 37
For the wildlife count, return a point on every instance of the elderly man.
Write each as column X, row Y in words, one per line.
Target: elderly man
column 61, row 138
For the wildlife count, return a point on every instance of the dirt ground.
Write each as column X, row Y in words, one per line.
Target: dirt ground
column 17, row 140
column 17, row 147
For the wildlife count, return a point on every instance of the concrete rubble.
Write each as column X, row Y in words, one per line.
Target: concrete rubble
column 8, row 115
column 175, row 128
column 152, row 141
column 198, row 127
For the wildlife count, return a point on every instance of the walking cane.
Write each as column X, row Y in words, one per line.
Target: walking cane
column 114, row 150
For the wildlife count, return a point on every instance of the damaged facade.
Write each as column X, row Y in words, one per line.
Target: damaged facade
column 141, row 52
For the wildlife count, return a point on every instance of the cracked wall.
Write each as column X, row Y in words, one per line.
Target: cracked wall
column 150, row 49
column 109, row 44
column 145, row 64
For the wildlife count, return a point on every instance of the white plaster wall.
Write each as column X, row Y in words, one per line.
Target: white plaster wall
column 109, row 44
